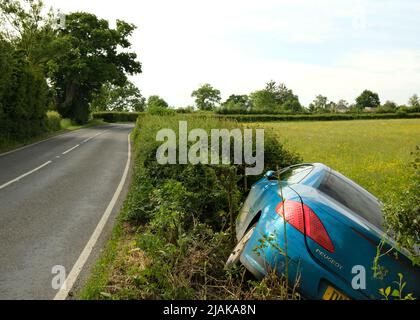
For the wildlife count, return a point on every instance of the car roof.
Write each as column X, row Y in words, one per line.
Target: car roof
column 320, row 171
column 317, row 174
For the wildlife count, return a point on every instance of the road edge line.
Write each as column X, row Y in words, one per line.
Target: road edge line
column 84, row 256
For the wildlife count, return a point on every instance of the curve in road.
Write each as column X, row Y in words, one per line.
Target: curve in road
column 54, row 196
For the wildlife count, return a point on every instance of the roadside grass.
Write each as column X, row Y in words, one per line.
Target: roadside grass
column 104, row 279
column 66, row 125
column 376, row 154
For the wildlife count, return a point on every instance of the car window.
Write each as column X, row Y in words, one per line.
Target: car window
column 295, row 174
column 358, row 201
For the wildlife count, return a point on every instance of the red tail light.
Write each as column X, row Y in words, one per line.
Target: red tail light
column 306, row 221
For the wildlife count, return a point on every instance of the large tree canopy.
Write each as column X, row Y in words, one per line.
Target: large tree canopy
column 118, row 98
column 237, row 103
column 367, row 99
column 156, row 102
column 31, row 32
column 275, row 97
column 206, row 97
column 26, row 44
column 97, row 55
column 414, row 101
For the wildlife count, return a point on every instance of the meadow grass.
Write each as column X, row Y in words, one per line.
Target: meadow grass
column 376, row 153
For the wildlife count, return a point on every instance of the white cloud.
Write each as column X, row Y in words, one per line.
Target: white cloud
column 184, row 43
column 395, row 61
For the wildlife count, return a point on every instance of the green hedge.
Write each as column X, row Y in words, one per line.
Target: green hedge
column 186, row 214
column 23, row 96
column 53, row 121
column 110, row 116
column 319, row 117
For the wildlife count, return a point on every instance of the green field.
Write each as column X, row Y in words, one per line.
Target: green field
column 374, row 153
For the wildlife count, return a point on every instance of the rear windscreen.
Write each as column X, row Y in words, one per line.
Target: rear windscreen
column 357, row 200
column 295, row 174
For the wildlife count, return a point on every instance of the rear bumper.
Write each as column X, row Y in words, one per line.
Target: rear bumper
column 263, row 253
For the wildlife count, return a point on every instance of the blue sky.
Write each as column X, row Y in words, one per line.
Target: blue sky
column 334, row 48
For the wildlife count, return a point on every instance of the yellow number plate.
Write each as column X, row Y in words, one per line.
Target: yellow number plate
column 333, row 294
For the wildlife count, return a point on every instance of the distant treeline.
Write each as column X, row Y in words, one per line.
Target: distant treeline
column 319, row 117
column 115, row 116
column 110, row 116
column 277, row 98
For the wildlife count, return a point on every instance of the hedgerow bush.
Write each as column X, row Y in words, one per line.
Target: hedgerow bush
column 115, row 116
column 185, row 215
column 205, row 181
column 402, row 215
column 53, row 121
column 160, row 111
column 318, row 117
column 23, row 96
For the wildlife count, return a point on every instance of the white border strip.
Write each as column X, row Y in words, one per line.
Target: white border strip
column 71, row 149
column 24, row 175
column 81, row 261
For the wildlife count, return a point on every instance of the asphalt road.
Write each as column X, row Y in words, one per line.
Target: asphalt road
column 52, row 196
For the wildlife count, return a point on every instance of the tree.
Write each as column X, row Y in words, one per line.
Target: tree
column 319, row 105
column 342, row 105
column 23, row 96
column 24, row 93
column 292, row 105
column 281, row 93
column 98, row 55
column 206, row 97
column 156, row 102
column 31, row 32
column 118, row 98
column 157, row 106
column 275, row 98
column 331, row 107
column 263, row 100
column 389, row 106
column 414, row 101
column 367, row 99
column 240, row 103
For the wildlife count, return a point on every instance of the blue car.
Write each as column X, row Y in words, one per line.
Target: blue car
column 332, row 230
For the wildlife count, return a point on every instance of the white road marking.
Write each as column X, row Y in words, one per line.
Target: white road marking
column 24, row 175
column 71, row 149
column 45, row 140
column 98, row 134
column 81, row 261
column 84, row 141
column 46, row 163
column 36, row 143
